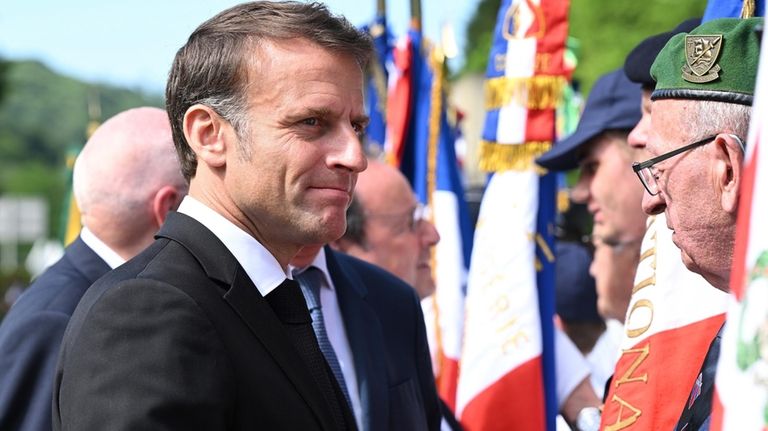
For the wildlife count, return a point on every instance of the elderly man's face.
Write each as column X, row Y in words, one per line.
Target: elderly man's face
column 293, row 179
column 687, row 194
column 610, row 190
column 395, row 240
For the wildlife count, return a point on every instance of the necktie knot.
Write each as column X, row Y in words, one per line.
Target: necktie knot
column 311, row 280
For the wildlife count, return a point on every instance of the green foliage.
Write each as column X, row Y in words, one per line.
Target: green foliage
column 606, row 31
column 42, row 116
column 480, row 36
column 3, row 72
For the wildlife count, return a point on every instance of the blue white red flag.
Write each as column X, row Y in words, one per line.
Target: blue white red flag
column 506, row 377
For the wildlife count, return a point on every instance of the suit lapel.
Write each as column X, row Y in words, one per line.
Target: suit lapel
column 366, row 340
column 86, row 261
column 244, row 298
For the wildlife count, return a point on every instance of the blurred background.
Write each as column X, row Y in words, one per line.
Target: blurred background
column 67, row 66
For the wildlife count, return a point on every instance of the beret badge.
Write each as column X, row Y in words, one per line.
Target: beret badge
column 701, row 52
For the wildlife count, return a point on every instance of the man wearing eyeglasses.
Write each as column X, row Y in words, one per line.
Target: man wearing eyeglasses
column 701, row 110
column 388, row 227
column 700, row 113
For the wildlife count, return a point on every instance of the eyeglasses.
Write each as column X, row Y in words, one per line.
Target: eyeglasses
column 419, row 213
column 647, row 175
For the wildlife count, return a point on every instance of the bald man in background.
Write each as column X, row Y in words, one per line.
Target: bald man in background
column 125, row 180
column 387, row 227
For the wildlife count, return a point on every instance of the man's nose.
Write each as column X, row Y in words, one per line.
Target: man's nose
column 429, row 234
column 348, row 152
column 653, row 204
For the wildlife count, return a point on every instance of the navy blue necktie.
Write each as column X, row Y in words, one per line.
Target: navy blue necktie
column 311, row 280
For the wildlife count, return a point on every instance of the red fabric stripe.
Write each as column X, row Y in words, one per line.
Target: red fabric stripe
column 670, row 368
column 540, row 125
column 448, row 380
column 551, row 47
column 742, row 227
column 399, row 102
column 514, row 402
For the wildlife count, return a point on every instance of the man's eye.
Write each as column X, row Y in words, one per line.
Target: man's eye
column 589, row 168
column 359, row 128
column 310, row 121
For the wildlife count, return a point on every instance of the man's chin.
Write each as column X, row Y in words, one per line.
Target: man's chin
column 688, row 262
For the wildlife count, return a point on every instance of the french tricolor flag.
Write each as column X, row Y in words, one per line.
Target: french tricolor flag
column 506, row 376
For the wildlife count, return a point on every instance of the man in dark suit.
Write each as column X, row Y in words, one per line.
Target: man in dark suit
column 376, row 327
column 206, row 328
column 386, row 226
column 126, row 179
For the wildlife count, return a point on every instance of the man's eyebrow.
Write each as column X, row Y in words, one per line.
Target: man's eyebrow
column 363, row 120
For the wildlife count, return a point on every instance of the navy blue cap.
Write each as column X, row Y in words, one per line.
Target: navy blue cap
column 613, row 104
column 575, row 293
column 638, row 63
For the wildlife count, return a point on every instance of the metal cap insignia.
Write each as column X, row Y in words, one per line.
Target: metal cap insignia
column 701, row 52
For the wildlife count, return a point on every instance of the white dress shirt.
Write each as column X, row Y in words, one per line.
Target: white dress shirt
column 101, row 249
column 337, row 335
column 262, row 268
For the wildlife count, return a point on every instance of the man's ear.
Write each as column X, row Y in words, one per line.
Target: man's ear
column 166, row 199
column 204, row 130
column 729, row 159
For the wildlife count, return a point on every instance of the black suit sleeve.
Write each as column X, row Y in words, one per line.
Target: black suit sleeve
column 164, row 370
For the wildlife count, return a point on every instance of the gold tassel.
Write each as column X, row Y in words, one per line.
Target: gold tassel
column 536, row 92
column 495, row 157
column 563, row 201
column 748, row 9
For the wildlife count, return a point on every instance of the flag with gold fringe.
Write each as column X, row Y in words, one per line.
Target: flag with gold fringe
column 427, row 157
column 741, row 382
column 506, row 377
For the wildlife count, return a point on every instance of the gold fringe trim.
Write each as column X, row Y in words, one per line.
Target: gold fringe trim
column 748, row 10
column 536, row 92
column 496, row 157
column 563, row 201
column 436, row 106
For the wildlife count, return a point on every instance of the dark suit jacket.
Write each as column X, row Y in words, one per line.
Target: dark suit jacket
column 180, row 338
column 31, row 333
column 385, row 328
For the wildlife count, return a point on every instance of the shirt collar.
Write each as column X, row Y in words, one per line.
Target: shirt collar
column 262, row 268
column 101, row 248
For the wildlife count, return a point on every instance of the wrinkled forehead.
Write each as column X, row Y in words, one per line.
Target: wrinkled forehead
column 668, row 127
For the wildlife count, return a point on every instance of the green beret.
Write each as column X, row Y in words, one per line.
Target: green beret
column 715, row 61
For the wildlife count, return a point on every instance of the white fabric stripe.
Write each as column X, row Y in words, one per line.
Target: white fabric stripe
column 502, row 322
column 450, row 272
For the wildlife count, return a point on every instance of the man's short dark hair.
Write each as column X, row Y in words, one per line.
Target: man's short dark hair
column 212, row 67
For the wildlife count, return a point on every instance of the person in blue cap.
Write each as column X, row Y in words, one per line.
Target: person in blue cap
column 599, row 148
